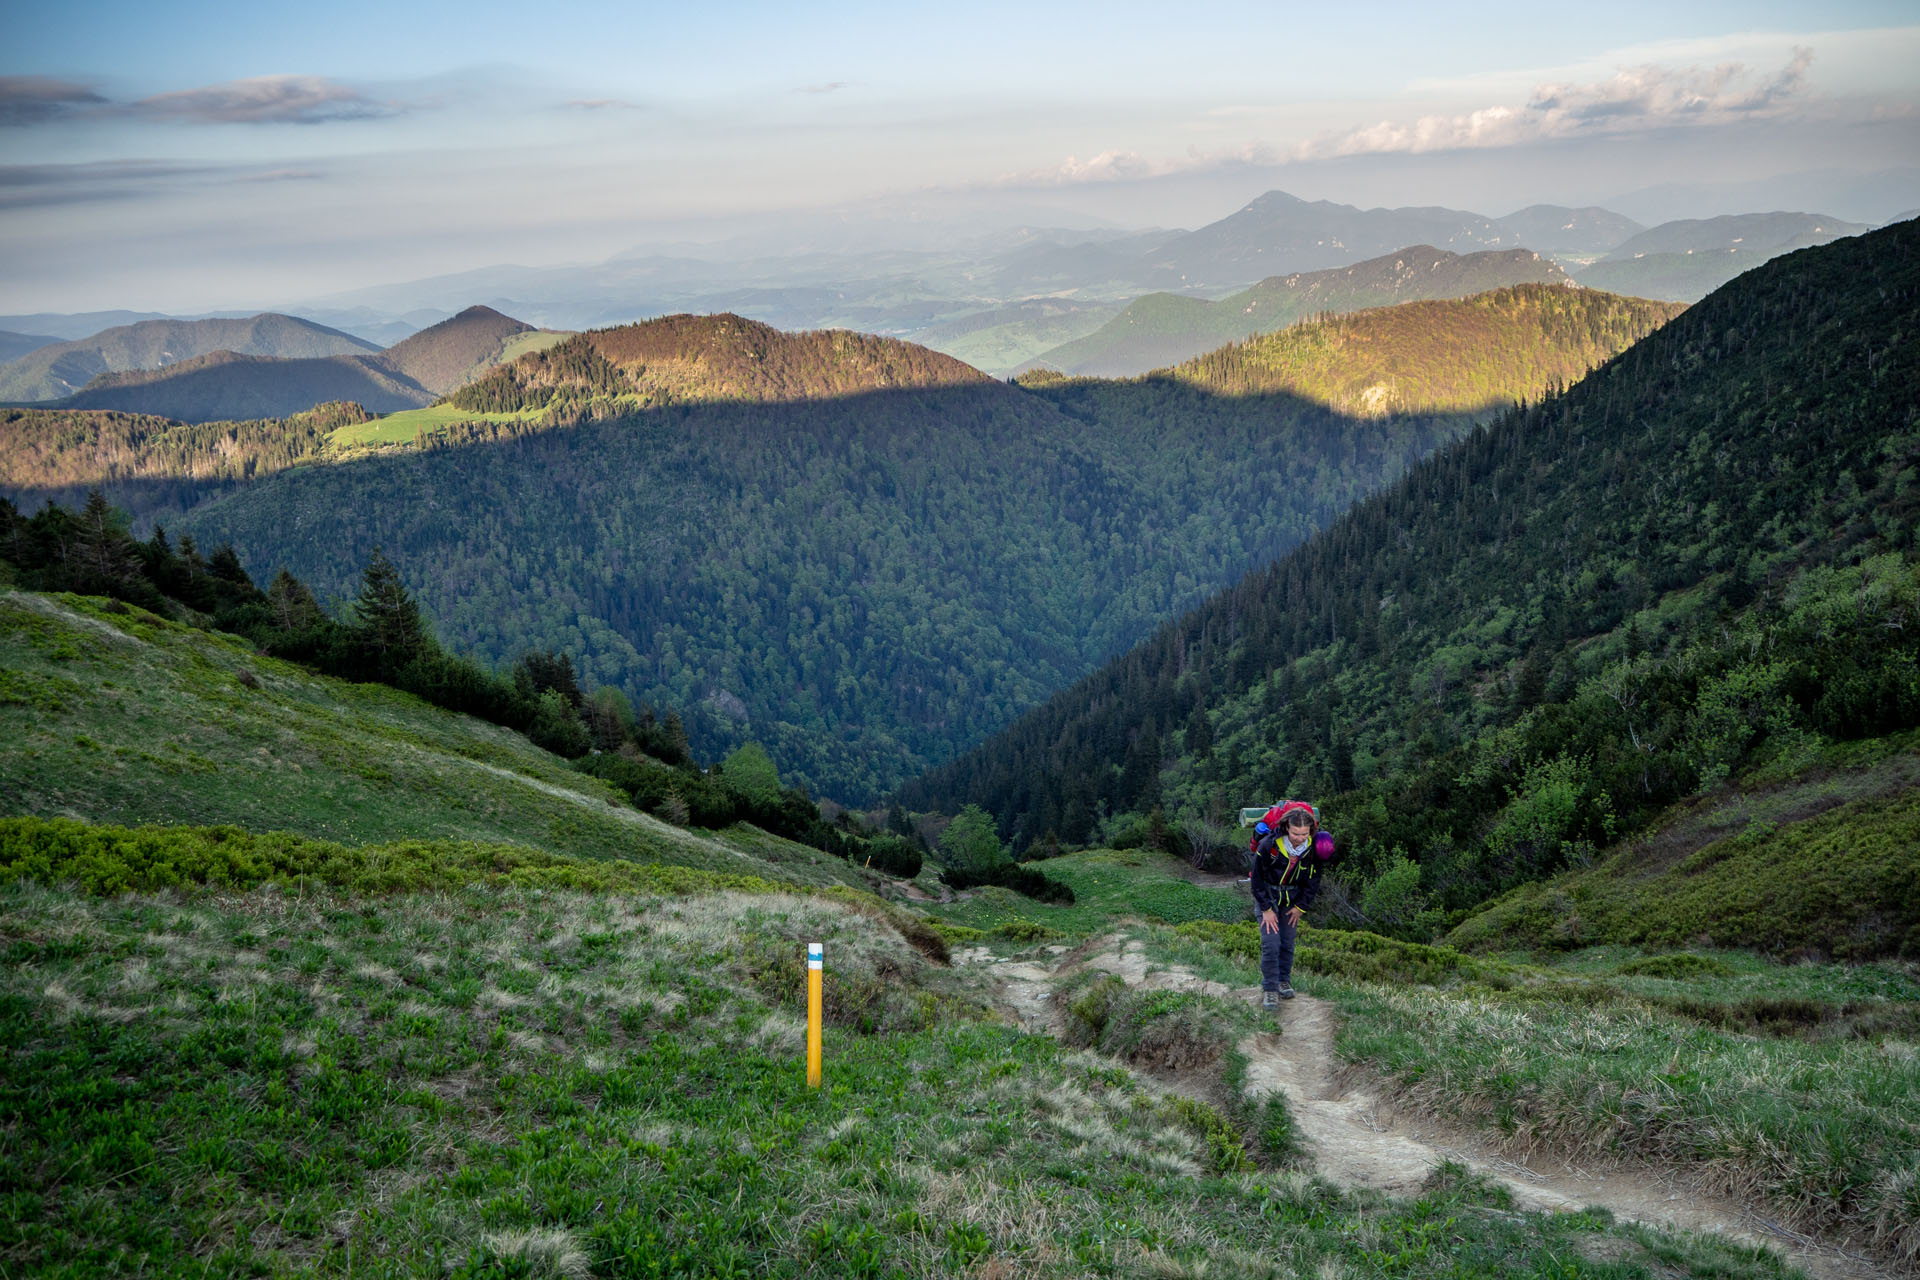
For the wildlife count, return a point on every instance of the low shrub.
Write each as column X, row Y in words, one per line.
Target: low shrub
column 892, row 855
column 1678, row 965
column 1011, row 875
column 1023, row 930
column 106, row 860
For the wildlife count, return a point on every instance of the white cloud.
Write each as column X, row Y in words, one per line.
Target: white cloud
column 1633, row 98
column 1130, row 166
column 265, row 100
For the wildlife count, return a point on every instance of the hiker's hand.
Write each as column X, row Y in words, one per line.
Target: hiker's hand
column 1295, row 916
column 1269, row 922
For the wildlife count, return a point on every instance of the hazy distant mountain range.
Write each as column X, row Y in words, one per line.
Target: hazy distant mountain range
column 62, row 368
column 1162, row 329
column 228, row 385
column 15, row 345
column 1115, row 302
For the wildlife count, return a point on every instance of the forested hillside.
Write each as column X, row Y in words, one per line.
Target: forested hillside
column 1162, row 329
column 1465, row 356
column 1697, row 562
column 153, row 464
column 860, row 553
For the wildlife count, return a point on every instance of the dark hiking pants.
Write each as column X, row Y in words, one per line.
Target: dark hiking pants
column 1276, row 955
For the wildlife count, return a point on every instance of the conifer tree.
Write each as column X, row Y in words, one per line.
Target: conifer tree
column 104, row 557
column 292, row 603
column 386, row 618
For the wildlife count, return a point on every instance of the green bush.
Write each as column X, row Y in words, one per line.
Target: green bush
column 1680, row 965
column 106, row 860
column 893, row 855
column 1846, row 884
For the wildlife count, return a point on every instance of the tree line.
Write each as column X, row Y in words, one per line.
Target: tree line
column 385, row 639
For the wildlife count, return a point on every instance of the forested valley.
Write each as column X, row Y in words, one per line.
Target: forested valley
column 1697, row 563
column 863, row 555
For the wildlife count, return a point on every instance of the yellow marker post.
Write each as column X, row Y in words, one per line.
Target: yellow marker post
column 815, row 968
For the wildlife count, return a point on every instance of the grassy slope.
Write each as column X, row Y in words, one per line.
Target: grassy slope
column 407, row 425
column 1825, row 861
column 528, row 1063
column 128, row 718
column 502, row 1081
column 1791, row 1084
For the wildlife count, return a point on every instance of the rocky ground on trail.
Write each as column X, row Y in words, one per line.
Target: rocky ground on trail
column 1355, row 1135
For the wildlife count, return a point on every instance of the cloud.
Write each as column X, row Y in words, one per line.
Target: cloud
column 41, row 99
column 831, row 86
column 1634, row 98
column 265, row 100
column 602, row 104
column 24, row 186
column 282, row 175
column 1130, row 166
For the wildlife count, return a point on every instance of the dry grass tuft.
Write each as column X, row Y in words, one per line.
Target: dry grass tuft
column 543, row 1253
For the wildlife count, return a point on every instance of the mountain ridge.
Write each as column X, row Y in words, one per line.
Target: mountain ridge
column 232, row 386
column 1552, row 605
column 63, row 368
column 858, row 579
column 1161, row 330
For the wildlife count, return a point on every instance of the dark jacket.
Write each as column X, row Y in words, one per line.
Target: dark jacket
column 1276, row 886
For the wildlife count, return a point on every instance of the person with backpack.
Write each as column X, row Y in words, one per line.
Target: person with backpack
column 1289, row 854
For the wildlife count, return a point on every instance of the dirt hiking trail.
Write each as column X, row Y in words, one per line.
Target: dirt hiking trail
column 1357, row 1138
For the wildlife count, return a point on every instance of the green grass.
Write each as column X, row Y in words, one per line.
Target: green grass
column 497, row 1080
column 1108, row 886
column 1795, row 1085
column 1752, row 871
column 533, row 340
column 125, row 717
column 403, row 427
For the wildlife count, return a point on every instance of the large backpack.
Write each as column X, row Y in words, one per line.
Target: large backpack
column 1270, row 822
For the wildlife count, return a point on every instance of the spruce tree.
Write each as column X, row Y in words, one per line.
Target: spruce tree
column 105, row 560
column 386, row 619
column 292, row 603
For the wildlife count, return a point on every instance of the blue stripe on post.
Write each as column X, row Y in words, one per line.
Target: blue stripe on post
column 815, row 958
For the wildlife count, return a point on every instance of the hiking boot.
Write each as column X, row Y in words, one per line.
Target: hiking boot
column 1285, row 992
column 1269, row 999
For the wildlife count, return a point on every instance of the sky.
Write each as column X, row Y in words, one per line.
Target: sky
column 205, row 155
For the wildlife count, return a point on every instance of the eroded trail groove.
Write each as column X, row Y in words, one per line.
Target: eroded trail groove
column 1357, row 1137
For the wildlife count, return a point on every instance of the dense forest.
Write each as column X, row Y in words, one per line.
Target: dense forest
column 862, row 554
column 382, row 638
column 150, row 464
column 1697, row 561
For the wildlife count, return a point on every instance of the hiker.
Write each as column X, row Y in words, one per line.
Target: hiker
column 1289, row 853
